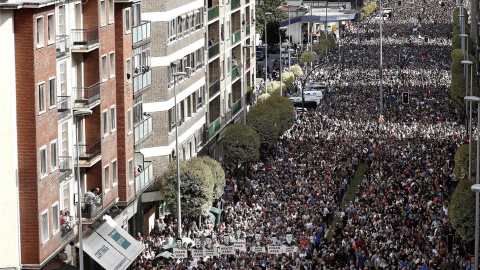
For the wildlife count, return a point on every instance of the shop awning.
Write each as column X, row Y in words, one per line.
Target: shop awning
column 111, row 246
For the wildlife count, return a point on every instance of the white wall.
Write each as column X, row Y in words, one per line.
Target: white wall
column 9, row 214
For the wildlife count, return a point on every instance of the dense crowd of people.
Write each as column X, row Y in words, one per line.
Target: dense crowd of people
column 399, row 218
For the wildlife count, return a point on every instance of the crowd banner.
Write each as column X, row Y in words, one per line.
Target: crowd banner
column 180, row 253
column 240, row 244
column 226, row 249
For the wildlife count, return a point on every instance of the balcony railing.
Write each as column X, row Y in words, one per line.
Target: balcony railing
column 67, row 231
column 213, row 50
column 142, row 80
column 236, row 37
column 236, row 106
column 145, row 175
column 214, row 127
column 63, row 106
column 90, row 151
column 141, row 32
column 92, row 207
column 87, row 95
column 235, row 4
column 66, row 167
column 235, row 73
column 214, row 88
column 213, row 13
column 143, row 129
column 85, row 37
column 62, row 45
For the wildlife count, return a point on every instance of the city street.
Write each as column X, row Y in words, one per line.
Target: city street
column 353, row 188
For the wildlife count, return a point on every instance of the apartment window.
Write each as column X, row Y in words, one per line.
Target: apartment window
column 137, row 110
column 52, row 92
column 200, row 94
column 127, row 21
column 53, row 155
column 105, row 122
column 129, row 121
column 113, row 118
column 180, row 26
column 111, row 14
column 40, row 33
column 63, row 78
column 64, row 136
column 65, row 195
column 129, row 70
column 114, row 173
column 41, row 97
column 43, row 161
column 112, row 64
column 103, row 13
column 61, row 20
column 104, row 68
column 50, row 29
column 130, row 171
column 171, row 114
column 136, row 15
column 55, row 218
column 107, row 178
column 45, row 234
column 172, row 30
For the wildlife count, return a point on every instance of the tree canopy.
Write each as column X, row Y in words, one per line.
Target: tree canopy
column 461, row 161
column 307, row 57
column 286, row 113
column 273, row 20
column 297, row 70
column 196, row 187
column 241, row 144
column 218, row 175
column 273, row 88
column 288, row 78
column 462, row 210
column 263, row 119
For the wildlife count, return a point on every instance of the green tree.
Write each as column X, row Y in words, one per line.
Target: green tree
column 288, row 78
column 320, row 48
column 263, row 119
column 458, row 79
column 462, row 210
column 241, row 144
column 297, row 70
column 218, row 175
column 273, row 88
column 277, row 16
column 286, row 113
column 263, row 97
column 196, row 187
column 307, row 57
column 461, row 161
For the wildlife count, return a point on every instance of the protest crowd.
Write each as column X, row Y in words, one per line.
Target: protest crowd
column 399, row 218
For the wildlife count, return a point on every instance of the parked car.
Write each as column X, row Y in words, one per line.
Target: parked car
column 260, row 52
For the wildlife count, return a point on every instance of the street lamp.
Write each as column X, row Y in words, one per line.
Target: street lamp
column 467, row 63
column 280, row 45
column 245, row 84
column 381, row 59
column 476, row 187
column 266, row 49
column 78, row 114
column 179, row 205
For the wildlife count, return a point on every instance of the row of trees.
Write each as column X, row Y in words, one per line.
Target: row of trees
column 367, row 10
column 266, row 122
column 458, row 84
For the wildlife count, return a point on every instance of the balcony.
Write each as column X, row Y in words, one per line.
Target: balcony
column 62, row 45
column 248, row 63
column 90, row 153
column 214, row 127
column 85, row 40
column 214, row 88
column 67, row 231
column 86, row 97
column 143, row 130
column 213, row 13
column 236, row 37
column 141, row 33
column 235, row 4
column 92, row 208
column 248, row 30
column 235, row 73
column 144, row 177
column 66, row 167
column 63, row 107
column 236, row 106
column 213, row 50
column 142, row 81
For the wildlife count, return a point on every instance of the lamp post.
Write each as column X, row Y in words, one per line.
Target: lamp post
column 476, row 187
column 266, row 50
column 245, row 84
column 179, row 205
column 381, row 60
column 77, row 114
column 468, row 63
column 280, row 37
